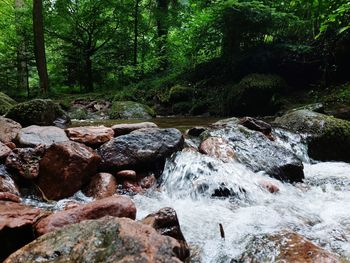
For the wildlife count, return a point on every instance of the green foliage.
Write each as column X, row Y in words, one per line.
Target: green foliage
column 6, row 103
column 180, row 93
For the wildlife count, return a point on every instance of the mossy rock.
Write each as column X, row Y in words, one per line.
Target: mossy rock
column 36, row 112
column 180, row 93
column 255, row 94
column 130, row 110
column 6, row 103
column 78, row 113
column 328, row 137
column 182, row 108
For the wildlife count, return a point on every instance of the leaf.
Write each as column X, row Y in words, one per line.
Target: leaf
column 343, row 29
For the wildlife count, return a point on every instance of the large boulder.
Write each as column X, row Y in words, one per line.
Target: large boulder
column 140, row 148
column 7, row 184
column 93, row 136
column 65, row 168
column 24, row 162
column 130, row 110
column 34, row 135
column 16, row 226
column 106, row 240
column 36, row 112
column 8, row 130
column 258, row 152
column 286, row 246
column 166, row 223
column 328, row 138
column 6, row 103
column 4, row 151
column 116, row 206
column 122, row 129
column 101, row 185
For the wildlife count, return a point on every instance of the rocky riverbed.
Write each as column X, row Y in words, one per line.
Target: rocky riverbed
column 237, row 190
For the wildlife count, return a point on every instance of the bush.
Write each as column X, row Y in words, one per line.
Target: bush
column 180, row 93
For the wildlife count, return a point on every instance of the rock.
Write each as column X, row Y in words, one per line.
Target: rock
column 116, row 206
column 93, row 136
column 218, row 148
column 269, row 186
column 286, row 247
column 8, row 130
column 122, row 129
column 132, row 187
column 130, row 110
column 127, row 174
column 106, row 240
column 36, row 112
column 16, row 222
column 148, row 181
column 6, row 182
column 257, row 125
column 11, row 145
column 25, row 161
column 4, row 151
column 328, row 138
column 196, row 131
column 180, row 93
column 257, row 152
column 6, row 196
column 6, row 103
column 101, row 185
column 140, row 148
column 41, row 135
column 166, row 223
column 65, row 168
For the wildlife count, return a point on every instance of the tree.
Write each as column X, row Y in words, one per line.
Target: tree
column 39, row 45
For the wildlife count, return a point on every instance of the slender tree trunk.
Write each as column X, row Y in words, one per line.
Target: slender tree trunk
column 89, row 84
column 22, row 65
column 39, row 45
column 162, row 31
column 136, row 33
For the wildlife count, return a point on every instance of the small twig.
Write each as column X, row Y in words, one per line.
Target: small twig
column 222, row 232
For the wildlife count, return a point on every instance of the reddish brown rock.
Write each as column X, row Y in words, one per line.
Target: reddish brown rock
column 11, row 145
column 25, row 161
column 132, row 186
column 7, row 184
column 166, row 222
column 34, row 135
column 256, row 125
column 8, row 129
column 6, row 196
column 127, row 174
column 116, row 206
column 101, row 185
column 107, row 240
column 16, row 222
column 217, row 147
column 148, row 181
column 91, row 136
column 4, row 151
column 65, row 168
column 269, row 186
column 122, row 129
column 286, row 246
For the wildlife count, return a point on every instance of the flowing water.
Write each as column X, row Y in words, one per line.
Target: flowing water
column 317, row 209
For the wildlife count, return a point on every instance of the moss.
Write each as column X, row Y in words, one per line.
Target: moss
column 6, row 103
column 79, row 114
column 182, row 108
column 130, row 110
column 180, row 93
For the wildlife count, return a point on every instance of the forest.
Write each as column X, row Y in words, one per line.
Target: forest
column 177, row 56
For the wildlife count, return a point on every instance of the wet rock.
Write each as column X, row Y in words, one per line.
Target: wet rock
column 6, row 196
column 16, row 222
column 148, row 182
column 65, row 168
column 127, row 174
column 4, row 151
column 41, row 135
column 8, row 129
column 166, row 222
column 257, row 125
column 122, row 129
column 196, row 131
column 130, row 110
column 93, row 136
column 328, row 137
column 6, row 103
column 101, row 185
column 7, row 184
column 140, row 148
column 257, row 152
column 132, row 186
column 217, row 147
column 269, row 186
column 25, row 161
column 116, row 206
column 286, row 247
column 105, row 240
column 36, row 112
column 11, row 145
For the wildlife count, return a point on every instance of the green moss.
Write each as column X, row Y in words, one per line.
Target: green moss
column 182, row 107
column 79, row 114
column 180, row 93
column 6, row 103
column 130, row 110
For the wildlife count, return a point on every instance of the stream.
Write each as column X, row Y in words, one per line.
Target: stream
column 318, row 209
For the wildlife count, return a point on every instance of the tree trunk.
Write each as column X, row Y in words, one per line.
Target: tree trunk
column 136, row 33
column 89, row 83
column 39, row 45
column 22, row 65
column 162, row 31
